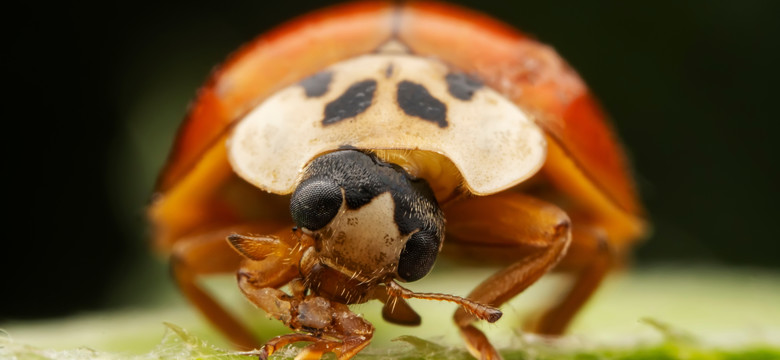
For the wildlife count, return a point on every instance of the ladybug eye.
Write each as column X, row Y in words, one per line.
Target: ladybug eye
column 314, row 203
column 418, row 256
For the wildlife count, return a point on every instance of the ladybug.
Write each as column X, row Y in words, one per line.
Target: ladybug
column 342, row 152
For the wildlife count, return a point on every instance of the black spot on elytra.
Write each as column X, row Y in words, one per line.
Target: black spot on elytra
column 317, row 84
column 351, row 103
column 462, row 86
column 415, row 100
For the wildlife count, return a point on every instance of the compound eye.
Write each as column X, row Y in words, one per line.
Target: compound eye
column 314, row 203
column 418, row 256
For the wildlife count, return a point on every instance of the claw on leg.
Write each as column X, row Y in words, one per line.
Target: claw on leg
column 344, row 349
column 318, row 349
column 281, row 341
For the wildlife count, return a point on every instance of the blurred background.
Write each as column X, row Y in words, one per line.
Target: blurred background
column 691, row 87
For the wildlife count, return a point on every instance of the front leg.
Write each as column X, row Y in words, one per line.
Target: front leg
column 205, row 254
column 536, row 233
column 330, row 326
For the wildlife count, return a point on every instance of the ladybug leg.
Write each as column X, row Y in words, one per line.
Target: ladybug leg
column 330, row 326
column 539, row 231
column 271, row 346
column 344, row 350
column 207, row 254
column 589, row 258
column 396, row 310
column 354, row 344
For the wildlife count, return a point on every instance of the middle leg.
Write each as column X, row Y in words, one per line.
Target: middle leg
column 589, row 259
column 539, row 231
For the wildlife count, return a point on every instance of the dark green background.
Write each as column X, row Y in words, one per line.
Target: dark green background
column 692, row 87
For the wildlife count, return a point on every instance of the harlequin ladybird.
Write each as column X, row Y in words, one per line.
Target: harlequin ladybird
column 336, row 154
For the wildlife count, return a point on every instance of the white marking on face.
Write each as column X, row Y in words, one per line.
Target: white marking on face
column 364, row 242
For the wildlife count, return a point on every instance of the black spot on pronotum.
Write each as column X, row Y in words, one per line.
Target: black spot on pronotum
column 415, row 100
column 317, row 84
column 351, row 103
column 462, row 86
column 389, row 70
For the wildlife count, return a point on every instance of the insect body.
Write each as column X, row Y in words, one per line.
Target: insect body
column 383, row 134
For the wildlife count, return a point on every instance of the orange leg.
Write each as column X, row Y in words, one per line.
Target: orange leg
column 330, row 326
column 344, row 350
column 397, row 311
column 590, row 258
column 533, row 231
column 271, row 346
column 207, row 254
column 316, row 350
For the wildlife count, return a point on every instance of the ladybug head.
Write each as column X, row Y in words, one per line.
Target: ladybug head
column 370, row 219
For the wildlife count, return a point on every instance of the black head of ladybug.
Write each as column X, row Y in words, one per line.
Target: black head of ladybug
column 370, row 218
